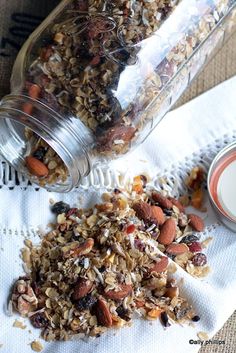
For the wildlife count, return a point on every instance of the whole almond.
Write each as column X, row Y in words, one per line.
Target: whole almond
column 167, row 232
column 82, row 288
column 143, row 211
column 176, row 248
column 78, row 249
column 84, row 248
column 172, row 292
column 125, row 290
column 36, row 167
column 158, row 215
column 102, row 313
column 177, row 204
column 160, row 266
column 162, row 200
column 196, row 222
column 118, row 132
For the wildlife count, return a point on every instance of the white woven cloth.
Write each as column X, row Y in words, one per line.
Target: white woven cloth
column 187, row 136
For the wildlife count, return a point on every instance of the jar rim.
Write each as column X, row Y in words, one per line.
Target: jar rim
column 56, row 132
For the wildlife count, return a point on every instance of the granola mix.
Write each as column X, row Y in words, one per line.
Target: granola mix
column 101, row 267
column 78, row 70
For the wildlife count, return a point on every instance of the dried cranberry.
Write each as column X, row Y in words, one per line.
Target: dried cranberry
column 39, row 320
column 60, row 207
column 71, row 212
column 199, row 259
column 96, row 60
column 195, row 246
column 40, row 153
column 86, row 302
column 130, row 228
column 46, row 53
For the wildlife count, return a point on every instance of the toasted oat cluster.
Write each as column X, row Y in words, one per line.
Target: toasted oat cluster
column 100, row 267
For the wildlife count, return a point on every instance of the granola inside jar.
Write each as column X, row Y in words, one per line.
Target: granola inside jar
column 97, row 76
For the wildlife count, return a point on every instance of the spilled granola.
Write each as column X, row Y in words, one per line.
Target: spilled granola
column 101, row 267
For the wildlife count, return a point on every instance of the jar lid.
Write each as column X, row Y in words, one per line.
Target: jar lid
column 222, row 185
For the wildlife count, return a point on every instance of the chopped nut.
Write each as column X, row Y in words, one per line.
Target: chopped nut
column 203, row 336
column 195, row 179
column 59, row 38
column 197, row 199
column 19, row 324
column 36, row 346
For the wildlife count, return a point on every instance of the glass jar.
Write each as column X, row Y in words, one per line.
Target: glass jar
column 97, row 76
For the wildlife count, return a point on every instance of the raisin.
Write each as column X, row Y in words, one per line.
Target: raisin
column 171, row 256
column 189, row 239
column 102, row 269
column 81, row 5
column 40, row 153
column 199, row 259
column 196, row 318
column 164, row 319
column 167, row 212
column 39, row 320
column 123, row 313
column 60, row 207
column 117, row 191
column 144, row 180
column 86, row 302
column 36, row 288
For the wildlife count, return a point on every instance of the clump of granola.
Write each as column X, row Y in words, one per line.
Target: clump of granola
column 99, row 267
column 195, row 183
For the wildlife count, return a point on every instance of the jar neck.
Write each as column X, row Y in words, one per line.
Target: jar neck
column 66, row 135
